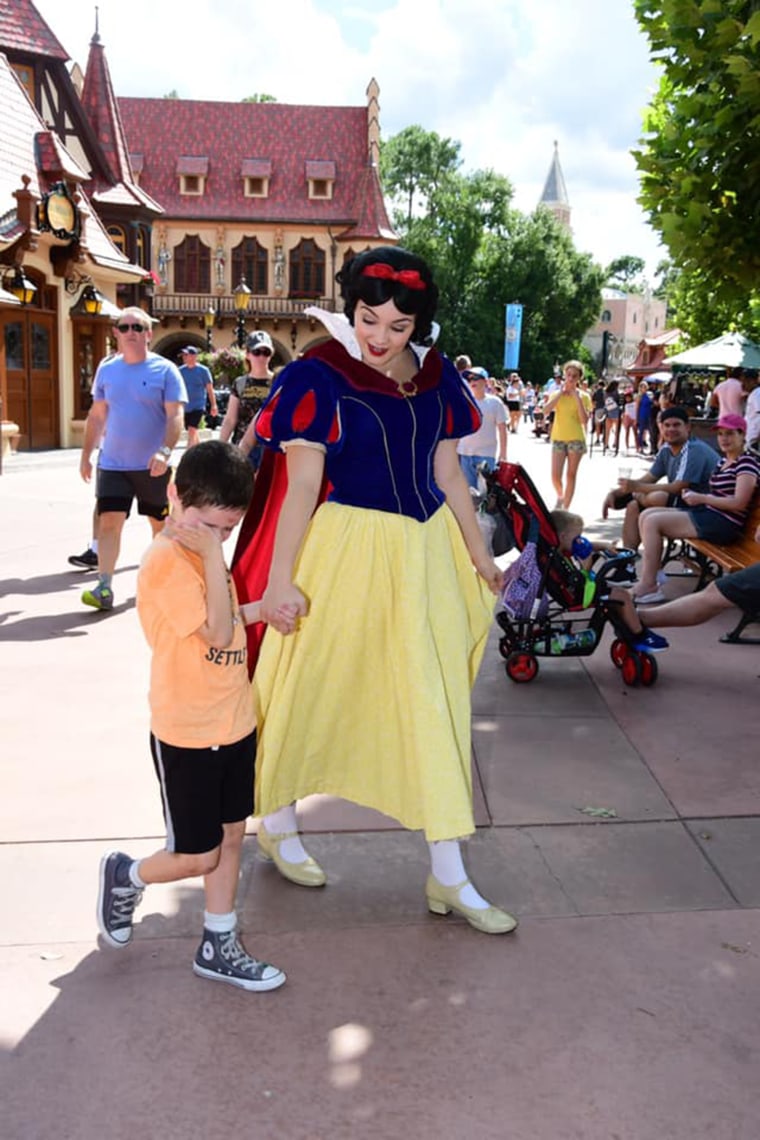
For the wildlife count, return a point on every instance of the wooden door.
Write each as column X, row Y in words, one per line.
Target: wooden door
column 29, row 337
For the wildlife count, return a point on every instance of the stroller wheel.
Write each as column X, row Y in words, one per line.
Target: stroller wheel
column 618, row 652
column 504, row 647
column 648, row 669
column 521, row 667
column 631, row 669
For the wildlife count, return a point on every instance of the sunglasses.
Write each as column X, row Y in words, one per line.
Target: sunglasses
column 259, row 352
column 131, row 328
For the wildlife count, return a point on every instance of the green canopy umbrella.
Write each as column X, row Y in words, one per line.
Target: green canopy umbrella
column 732, row 350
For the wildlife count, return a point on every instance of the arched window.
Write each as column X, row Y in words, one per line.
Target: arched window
column 118, row 237
column 606, row 317
column 251, row 260
column 192, row 266
column 307, row 270
column 140, row 248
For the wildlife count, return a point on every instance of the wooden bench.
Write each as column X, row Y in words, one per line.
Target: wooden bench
column 712, row 560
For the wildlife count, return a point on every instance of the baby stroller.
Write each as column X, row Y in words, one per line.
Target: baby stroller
column 543, row 587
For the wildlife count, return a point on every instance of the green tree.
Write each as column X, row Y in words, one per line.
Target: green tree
column 415, row 165
column 171, row 94
column 257, row 98
column 484, row 254
column 699, row 160
column 625, row 273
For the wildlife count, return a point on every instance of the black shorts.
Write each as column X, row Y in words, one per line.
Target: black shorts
column 742, row 588
column 513, row 405
column 203, row 788
column 713, row 526
column 115, row 491
column 193, row 419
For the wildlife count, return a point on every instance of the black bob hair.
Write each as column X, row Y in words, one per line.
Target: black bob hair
column 374, row 291
column 214, row 474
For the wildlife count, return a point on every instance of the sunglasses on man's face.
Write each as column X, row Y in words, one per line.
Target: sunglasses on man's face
column 131, row 328
column 260, row 352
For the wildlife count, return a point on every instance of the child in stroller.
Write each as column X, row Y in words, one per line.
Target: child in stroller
column 558, row 573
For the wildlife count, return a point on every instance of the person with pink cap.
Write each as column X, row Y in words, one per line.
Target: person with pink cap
column 718, row 515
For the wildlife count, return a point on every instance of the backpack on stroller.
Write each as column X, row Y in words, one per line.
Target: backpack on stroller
column 543, row 589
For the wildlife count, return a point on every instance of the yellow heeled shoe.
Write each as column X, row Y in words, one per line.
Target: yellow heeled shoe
column 490, row 920
column 308, row 873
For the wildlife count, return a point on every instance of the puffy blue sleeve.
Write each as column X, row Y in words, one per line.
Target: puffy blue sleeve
column 303, row 404
column 461, row 413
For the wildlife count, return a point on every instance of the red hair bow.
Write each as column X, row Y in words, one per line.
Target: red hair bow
column 408, row 277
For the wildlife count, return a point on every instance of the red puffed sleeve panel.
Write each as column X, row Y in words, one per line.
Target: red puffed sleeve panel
column 303, row 405
column 461, row 414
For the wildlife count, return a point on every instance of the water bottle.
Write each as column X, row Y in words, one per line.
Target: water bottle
column 584, row 639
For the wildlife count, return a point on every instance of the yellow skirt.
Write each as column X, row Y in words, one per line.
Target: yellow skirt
column 370, row 699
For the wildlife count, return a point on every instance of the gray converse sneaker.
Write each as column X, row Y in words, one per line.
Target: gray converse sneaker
column 117, row 899
column 223, row 958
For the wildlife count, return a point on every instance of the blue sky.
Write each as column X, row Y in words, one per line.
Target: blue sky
column 503, row 77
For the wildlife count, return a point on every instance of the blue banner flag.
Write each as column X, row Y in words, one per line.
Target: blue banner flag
column 512, row 334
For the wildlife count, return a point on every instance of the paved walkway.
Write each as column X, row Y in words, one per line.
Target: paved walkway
column 622, row 826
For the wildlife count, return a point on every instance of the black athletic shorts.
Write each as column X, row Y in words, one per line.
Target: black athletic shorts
column 742, row 588
column 115, row 491
column 203, row 788
column 193, row 419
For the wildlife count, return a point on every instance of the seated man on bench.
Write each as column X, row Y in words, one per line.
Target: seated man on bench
column 717, row 517
column 681, row 462
column 740, row 590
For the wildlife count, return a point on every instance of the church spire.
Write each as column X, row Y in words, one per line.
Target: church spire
column 554, row 195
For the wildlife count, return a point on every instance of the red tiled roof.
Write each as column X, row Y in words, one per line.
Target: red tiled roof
column 371, row 215
column 102, row 110
column 54, row 160
column 23, row 29
column 288, row 136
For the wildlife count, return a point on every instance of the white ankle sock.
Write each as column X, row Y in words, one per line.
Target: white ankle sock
column 219, row 923
column 280, row 822
column 134, row 875
column 448, row 868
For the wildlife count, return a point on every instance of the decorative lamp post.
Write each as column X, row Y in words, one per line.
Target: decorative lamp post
column 209, row 317
column 242, row 299
column 22, row 288
column 91, row 301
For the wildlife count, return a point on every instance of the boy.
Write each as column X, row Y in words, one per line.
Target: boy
column 569, row 528
column 203, row 737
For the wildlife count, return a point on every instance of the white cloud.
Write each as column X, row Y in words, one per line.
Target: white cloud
column 504, row 77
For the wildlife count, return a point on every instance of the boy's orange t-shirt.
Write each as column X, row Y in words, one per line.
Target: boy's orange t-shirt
column 199, row 696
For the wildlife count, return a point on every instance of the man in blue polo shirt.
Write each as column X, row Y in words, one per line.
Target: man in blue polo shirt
column 682, row 463
column 135, row 420
column 199, row 386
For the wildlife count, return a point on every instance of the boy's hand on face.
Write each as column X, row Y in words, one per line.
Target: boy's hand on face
column 201, row 539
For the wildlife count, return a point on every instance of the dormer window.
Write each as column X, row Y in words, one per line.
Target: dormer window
column 320, row 178
column 256, row 173
column 137, row 162
column 192, row 171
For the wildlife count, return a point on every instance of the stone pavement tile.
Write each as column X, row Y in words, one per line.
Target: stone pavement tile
column 699, row 725
column 733, row 847
column 561, row 687
column 545, row 769
column 378, row 879
column 627, row 868
column 637, row 1028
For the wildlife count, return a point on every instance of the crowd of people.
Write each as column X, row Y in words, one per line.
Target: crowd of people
column 352, row 471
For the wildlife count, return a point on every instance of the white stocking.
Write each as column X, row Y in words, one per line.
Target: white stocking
column 281, row 822
column 447, row 866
